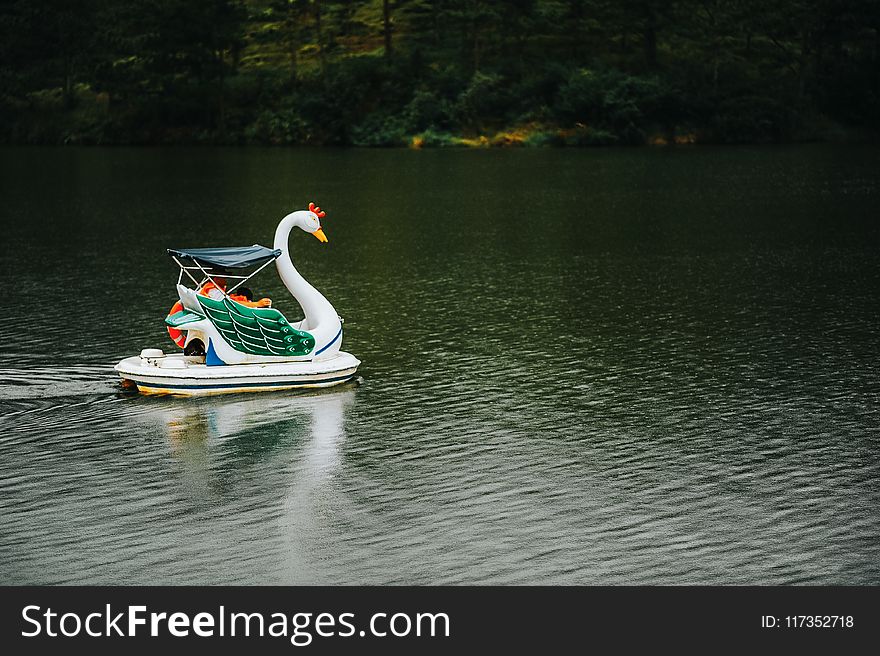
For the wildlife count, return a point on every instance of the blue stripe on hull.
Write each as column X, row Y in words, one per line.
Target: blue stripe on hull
column 332, row 342
column 245, row 385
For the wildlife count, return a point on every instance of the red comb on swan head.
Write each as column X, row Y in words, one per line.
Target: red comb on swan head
column 317, row 210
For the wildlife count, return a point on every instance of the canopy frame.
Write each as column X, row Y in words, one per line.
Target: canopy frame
column 210, row 274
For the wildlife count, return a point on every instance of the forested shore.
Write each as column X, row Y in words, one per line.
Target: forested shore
column 438, row 72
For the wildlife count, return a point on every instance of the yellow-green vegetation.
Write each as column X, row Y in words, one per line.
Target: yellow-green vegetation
column 427, row 73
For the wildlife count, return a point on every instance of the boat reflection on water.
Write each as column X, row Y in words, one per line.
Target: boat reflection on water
column 190, row 423
column 224, row 444
column 278, row 455
column 313, row 498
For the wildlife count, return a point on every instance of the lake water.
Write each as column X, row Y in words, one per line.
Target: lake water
column 617, row 366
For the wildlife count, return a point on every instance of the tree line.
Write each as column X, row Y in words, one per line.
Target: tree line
column 437, row 72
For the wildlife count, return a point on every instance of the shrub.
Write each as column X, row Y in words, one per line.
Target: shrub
column 435, row 138
column 751, row 119
column 485, row 99
column 379, row 129
column 620, row 106
column 281, row 127
column 426, row 110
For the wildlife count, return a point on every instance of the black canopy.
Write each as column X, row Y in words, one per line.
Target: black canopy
column 232, row 257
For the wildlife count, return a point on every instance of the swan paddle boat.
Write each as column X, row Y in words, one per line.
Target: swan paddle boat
column 233, row 345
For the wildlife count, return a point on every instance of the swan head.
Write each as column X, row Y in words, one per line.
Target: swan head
column 310, row 221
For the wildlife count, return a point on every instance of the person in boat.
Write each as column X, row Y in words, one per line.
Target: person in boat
column 216, row 289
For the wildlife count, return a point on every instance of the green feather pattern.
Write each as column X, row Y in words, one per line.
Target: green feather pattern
column 258, row 331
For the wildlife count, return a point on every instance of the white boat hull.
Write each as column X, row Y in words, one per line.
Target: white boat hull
column 188, row 376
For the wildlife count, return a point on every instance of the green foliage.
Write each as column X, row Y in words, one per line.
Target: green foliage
column 484, row 98
column 283, row 127
column 426, row 111
column 618, row 105
column 377, row 129
column 436, row 138
column 436, row 72
column 752, row 120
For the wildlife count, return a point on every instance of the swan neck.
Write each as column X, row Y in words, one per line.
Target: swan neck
column 316, row 308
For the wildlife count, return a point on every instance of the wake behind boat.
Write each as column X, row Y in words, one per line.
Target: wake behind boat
column 233, row 344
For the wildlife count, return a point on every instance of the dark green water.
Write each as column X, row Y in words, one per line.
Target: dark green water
column 605, row 366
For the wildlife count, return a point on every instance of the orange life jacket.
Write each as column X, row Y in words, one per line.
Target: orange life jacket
column 239, row 298
column 208, row 286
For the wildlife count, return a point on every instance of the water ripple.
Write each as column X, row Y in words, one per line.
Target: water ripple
column 671, row 385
